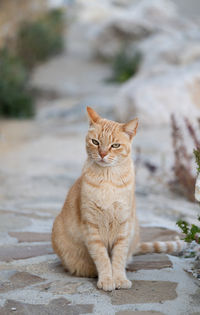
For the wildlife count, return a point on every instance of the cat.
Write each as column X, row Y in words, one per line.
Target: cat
column 97, row 230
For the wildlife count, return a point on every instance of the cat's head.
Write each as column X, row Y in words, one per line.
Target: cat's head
column 108, row 143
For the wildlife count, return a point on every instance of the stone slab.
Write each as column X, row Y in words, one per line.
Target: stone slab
column 56, row 306
column 60, row 286
column 149, row 261
column 31, row 236
column 22, row 252
column 143, row 291
column 150, row 234
column 19, row 280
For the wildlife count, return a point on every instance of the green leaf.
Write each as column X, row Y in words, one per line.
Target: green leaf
column 125, row 65
column 197, row 157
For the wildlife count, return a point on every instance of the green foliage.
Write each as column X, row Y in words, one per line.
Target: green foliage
column 35, row 42
column 41, row 39
column 191, row 231
column 197, row 157
column 124, row 66
column 15, row 99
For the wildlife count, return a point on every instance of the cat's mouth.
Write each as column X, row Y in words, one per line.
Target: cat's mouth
column 103, row 163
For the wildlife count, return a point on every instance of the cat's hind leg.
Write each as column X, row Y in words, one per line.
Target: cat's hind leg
column 135, row 240
column 76, row 259
column 74, row 256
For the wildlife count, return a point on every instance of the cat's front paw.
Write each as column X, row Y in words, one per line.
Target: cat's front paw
column 106, row 284
column 122, row 283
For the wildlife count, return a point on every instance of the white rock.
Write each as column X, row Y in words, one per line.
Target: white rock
column 165, row 48
column 121, row 24
column 94, row 11
column 154, row 95
column 197, row 188
column 108, row 27
column 56, row 3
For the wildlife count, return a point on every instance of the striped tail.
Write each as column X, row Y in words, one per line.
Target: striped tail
column 162, row 247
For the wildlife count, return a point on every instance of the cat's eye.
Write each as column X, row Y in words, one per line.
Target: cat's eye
column 95, row 142
column 115, row 145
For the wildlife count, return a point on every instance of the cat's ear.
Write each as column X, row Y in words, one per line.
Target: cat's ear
column 130, row 127
column 93, row 116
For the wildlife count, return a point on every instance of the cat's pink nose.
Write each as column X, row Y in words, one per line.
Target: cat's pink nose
column 102, row 154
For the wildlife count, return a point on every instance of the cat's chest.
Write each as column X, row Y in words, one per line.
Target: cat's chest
column 106, row 193
column 110, row 195
column 108, row 203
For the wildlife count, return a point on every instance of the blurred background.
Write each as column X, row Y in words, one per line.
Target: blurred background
column 123, row 58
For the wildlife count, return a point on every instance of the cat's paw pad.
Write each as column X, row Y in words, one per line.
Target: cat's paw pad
column 106, row 284
column 122, row 283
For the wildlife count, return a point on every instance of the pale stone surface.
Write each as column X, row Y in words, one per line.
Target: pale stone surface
column 139, row 313
column 31, row 236
column 12, row 221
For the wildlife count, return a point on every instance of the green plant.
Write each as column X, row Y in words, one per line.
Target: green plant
column 197, row 157
column 35, row 42
column 191, row 232
column 125, row 66
column 15, row 99
column 38, row 40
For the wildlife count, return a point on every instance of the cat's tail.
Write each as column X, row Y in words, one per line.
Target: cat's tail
column 162, row 247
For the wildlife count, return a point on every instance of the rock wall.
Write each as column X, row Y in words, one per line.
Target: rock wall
column 168, row 79
column 12, row 13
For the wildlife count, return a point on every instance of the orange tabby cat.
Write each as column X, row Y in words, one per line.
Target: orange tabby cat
column 97, row 229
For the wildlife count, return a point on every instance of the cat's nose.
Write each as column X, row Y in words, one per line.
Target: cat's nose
column 102, row 154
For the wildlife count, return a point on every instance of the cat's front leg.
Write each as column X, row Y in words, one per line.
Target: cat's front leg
column 119, row 256
column 99, row 254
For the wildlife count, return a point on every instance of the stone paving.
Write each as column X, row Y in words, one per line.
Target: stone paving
column 39, row 161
